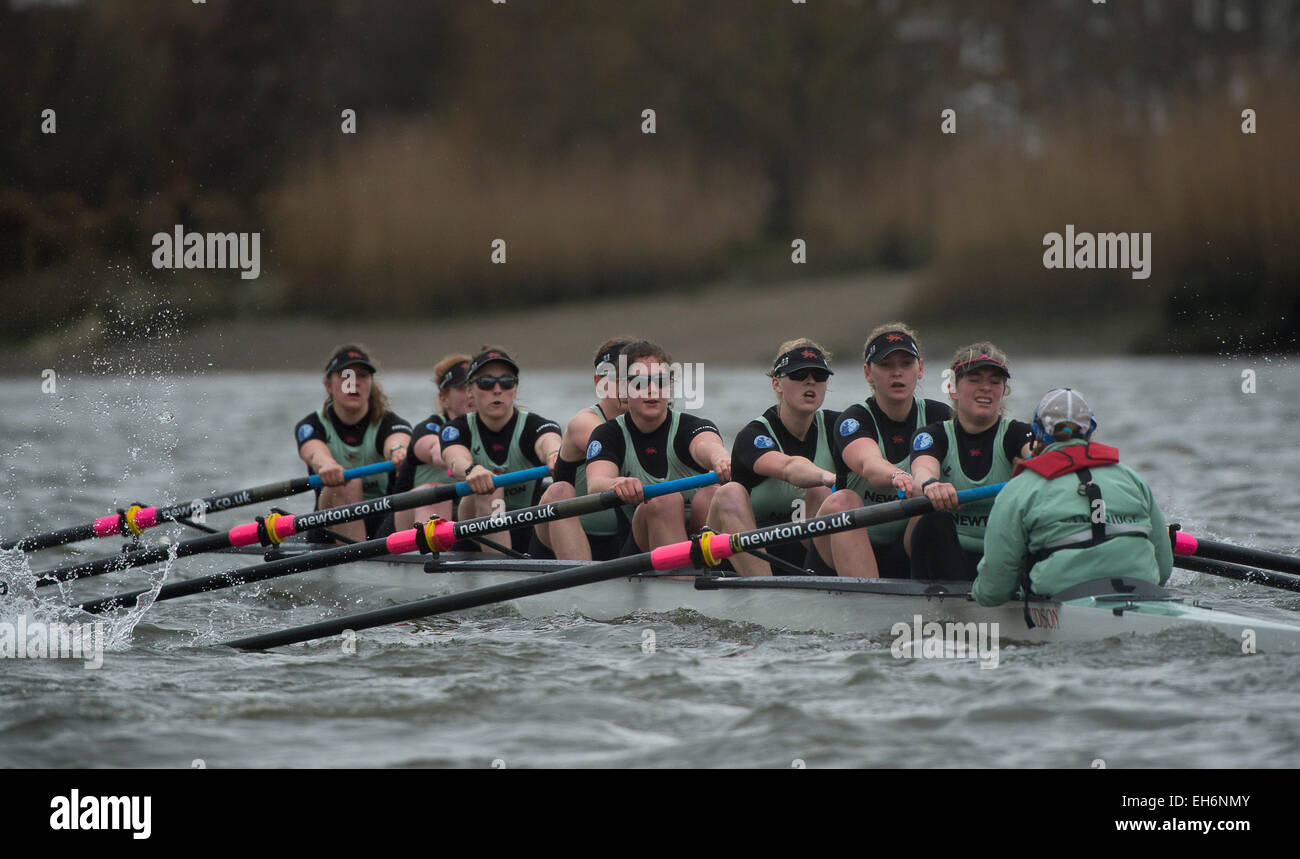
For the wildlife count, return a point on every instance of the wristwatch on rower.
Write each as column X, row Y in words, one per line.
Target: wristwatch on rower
column 928, row 482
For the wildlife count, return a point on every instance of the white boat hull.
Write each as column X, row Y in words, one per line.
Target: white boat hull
column 870, row 608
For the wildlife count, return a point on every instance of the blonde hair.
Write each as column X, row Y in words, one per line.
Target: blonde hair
column 440, row 369
column 377, row 406
column 797, row 343
column 892, row 326
column 448, row 361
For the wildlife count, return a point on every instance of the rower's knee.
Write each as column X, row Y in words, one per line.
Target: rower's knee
column 814, row 499
column 729, row 500
column 838, row 502
column 558, row 491
column 664, row 505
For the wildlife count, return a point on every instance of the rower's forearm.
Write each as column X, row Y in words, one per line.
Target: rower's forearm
column 458, row 460
column 924, row 468
column 803, row 472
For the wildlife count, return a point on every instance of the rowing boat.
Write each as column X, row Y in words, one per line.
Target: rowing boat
column 871, row 607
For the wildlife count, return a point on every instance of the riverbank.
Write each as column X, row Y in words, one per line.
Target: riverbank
column 727, row 322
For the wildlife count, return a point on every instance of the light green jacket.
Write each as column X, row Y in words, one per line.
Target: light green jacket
column 1033, row 512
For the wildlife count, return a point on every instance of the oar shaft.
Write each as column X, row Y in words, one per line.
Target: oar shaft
column 127, row 560
column 398, row 543
column 1186, row 544
column 148, row 517
column 285, row 526
column 452, row 602
column 260, row 572
column 449, row 532
column 1240, row 573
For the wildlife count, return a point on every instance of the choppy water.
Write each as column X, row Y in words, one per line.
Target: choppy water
column 490, row 685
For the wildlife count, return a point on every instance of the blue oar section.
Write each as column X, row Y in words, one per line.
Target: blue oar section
column 511, row 479
column 361, row 471
column 979, row 493
column 695, row 481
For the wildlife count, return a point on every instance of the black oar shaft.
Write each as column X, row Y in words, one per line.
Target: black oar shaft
column 1237, row 571
column 62, row 537
column 302, row 523
column 247, row 575
column 544, row 583
column 357, row 551
column 127, row 560
column 1241, row 555
column 214, row 503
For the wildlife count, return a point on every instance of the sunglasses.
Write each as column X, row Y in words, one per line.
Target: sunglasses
column 487, row 383
column 643, row 381
column 802, row 375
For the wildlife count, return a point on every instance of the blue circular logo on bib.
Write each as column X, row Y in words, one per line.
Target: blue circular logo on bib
column 848, row 427
column 304, row 432
column 450, row 434
column 431, row 427
column 923, row 441
column 764, row 443
column 593, row 449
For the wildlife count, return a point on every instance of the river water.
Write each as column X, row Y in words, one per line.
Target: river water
column 488, row 687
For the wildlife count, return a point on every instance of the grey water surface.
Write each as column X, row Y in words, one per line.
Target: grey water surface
column 489, row 687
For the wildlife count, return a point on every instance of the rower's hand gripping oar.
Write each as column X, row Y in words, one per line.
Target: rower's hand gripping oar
column 709, row 549
column 433, row 536
column 275, row 528
column 135, row 519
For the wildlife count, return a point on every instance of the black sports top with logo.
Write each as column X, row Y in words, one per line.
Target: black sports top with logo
column 752, row 442
column 860, row 420
column 497, row 444
column 351, row 434
column 651, row 449
column 975, row 452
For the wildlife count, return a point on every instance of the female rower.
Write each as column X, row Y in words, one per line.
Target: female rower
column 653, row 443
column 353, row 428
column 1058, row 521
column 782, row 463
column 497, row 438
column 872, row 447
column 596, row 536
column 978, row 447
column 424, row 467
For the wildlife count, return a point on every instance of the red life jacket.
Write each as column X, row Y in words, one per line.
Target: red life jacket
column 1056, row 463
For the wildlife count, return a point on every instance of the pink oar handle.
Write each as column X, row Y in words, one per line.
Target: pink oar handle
column 676, row 555
column 107, row 526
column 401, row 542
column 246, row 534
column 1184, row 543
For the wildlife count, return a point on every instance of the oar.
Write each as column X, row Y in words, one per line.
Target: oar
column 1185, row 544
column 135, row 519
column 436, row 536
column 1238, row 572
column 276, row 528
column 710, row 550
